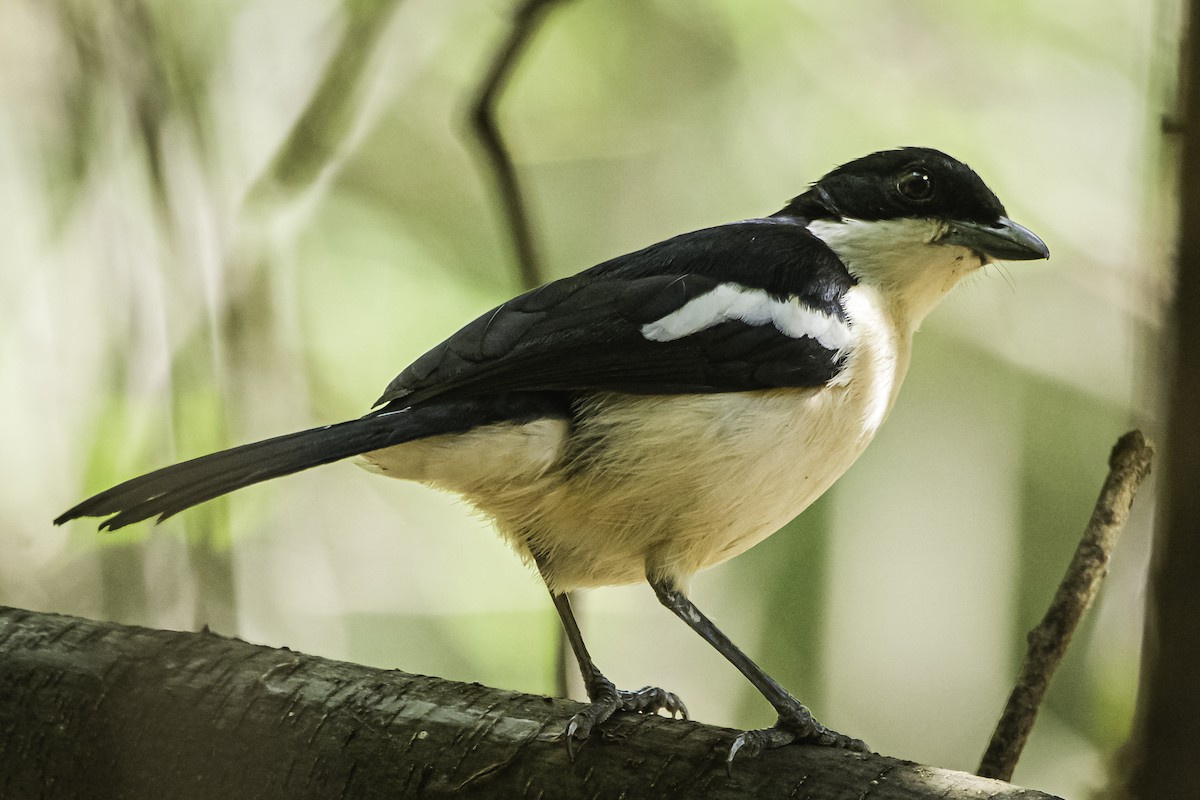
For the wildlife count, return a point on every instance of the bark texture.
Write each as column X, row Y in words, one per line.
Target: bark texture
column 99, row 710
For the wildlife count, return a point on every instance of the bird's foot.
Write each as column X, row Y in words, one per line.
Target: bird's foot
column 607, row 700
column 795, row 724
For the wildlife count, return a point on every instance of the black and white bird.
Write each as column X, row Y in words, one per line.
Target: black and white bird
column 664, row 411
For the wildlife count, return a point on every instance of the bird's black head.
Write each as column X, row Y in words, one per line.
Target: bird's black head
column 919, row 183
column 892, row 184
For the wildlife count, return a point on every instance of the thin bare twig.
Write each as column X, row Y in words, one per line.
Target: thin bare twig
column 526, row 20
column 1128, row 466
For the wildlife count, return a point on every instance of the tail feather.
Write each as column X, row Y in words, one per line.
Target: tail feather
column 169, row 490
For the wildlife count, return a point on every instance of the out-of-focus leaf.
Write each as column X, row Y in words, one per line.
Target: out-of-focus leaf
column 335, row 104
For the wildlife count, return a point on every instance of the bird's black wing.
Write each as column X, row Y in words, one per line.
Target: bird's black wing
column 521, row 361
column 586, row 332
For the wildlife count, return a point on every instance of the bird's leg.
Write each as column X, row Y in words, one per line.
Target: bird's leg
column 605, row 696
column 795, row 723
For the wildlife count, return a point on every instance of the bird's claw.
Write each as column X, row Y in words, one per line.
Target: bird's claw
column 607, row 699
column 795, row 724
column 753, row 743
column 572, row 728
column 651, row 700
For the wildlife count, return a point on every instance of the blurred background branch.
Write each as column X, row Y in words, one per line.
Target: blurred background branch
column 1160, row 759
column 528, row 16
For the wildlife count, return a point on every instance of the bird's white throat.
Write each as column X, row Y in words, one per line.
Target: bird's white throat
column 902, row 258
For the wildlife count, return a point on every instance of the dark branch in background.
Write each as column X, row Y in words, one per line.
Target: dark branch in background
column 101, row 711
column 1164, row 748
column 1128, row 466
column 527, row 20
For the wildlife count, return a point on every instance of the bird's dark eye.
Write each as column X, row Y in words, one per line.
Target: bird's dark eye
column 915, row 185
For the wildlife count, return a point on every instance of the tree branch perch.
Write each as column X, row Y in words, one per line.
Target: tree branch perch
column 100, row 710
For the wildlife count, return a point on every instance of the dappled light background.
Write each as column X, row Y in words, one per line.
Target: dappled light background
column 224, row 221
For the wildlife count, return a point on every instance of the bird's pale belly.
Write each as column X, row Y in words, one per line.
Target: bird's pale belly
column 634, row 500
column 666, row 485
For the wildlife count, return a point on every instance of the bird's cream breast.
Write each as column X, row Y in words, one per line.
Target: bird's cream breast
column 632, row 498
column 668, row 484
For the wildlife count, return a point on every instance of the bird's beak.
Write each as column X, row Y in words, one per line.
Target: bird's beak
column 1003, row 240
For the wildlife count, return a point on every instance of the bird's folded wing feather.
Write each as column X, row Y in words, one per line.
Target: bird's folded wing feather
column 751, row 305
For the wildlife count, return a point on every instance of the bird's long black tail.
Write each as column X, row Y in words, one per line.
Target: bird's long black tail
column 169, row 490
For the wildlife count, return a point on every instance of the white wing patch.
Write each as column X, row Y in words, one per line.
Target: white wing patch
column 731, row 301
